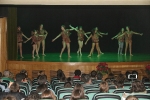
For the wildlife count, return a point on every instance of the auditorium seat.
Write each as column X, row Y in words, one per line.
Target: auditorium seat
column 106, row 96
column 61, row 92
column 4, row 84
column 67, row 97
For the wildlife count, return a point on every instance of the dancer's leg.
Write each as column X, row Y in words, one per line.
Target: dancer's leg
column 126, row 47
column 92, row 49
column 98, row 49
column 38, row 46
column 119, row 47
column 20, row 48
column 68, row 47
column 63, row 48
column 36, row 51
column 130, row 48
column 80, row 46
column 43, row 48
column 34, row 48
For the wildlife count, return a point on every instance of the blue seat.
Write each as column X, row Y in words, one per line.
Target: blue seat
column 106, row 96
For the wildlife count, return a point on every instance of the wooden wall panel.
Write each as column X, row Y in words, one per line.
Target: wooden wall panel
column 50, row 68
column 3, row 47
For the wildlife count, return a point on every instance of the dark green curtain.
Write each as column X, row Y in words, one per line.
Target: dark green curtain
column 12, row 33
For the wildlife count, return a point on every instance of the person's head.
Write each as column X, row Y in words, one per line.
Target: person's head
column 80, row 28
column 99, row 76
column 93, row 74
column 122, row 30
column 20, row 77
column 62, row 27
column 59, row 73
column 82, row 78
column 9, row 97
column 48, row 94
column 1, row 74
column 41, row 88
column 87, row 79
column 104, row 88
column 14, row 87
column 77, row 72
column 41, row 26
column 24, row 71
column 137, row 86
column 77, row 94
column 33, row 96
column 42, row 79
column 119, row 84
column 111, row 76
column 78, row 86
column 6, row 73
column 120, row 77
column 67, row 85
column 34, row 32
column 127, row 28
column 41, row 72
column 131, row 97
column 145, row 79
column 19, row 28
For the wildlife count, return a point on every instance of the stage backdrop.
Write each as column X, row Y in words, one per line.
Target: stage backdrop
column 107, row 18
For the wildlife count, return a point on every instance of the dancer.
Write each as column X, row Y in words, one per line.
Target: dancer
column 65, row 39
column 80, row 33
column 120, row 41
column 35, row 40
column 20, row 40
column 128, row 39
column 95, row 41
column 42, row 36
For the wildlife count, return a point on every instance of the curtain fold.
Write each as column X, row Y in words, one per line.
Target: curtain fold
column 12, row 33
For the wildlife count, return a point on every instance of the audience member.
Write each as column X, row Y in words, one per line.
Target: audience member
column 14, row 90
column 82, row 78
column 42, row 79
column 33, row 96
column 104, row 88
column 120, row 77
column 6, row 76
column 99, row 77
column 48, row 94
column 136, row 87
column 77, row 74
column 93, row 74
column 9, row 97
column 62, row 78
column 132, row 98
column 119, row 84
column 87, row 80
column 41, row 88
column 78, row 92
column 59, row 73
column 67, row 85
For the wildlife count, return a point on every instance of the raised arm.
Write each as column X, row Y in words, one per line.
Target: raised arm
column 56, row 37
column 137, row 33
column 88, row 39
column 28, row 39
column 24, row 36
column 115, row 36
column 122, row 34
column 103, row 33
column 73, row 28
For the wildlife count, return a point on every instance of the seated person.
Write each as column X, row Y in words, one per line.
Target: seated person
column 48, row 94
column 33, row 96
column 87, row 80
column 67, row 85
column 136, row 87
column 98, row 78
column 119, row 85
column 93, row 75
column 104, row 88
column 9, row 97
column 77, row 74
column 6, row 76
column 78, row 92
column 132, row 98
column 21, row 80
column 14, row 90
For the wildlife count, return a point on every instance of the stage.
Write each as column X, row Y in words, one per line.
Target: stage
column 51, row 63
column 106, row 57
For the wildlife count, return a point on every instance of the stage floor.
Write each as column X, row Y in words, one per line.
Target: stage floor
column 107, row 57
